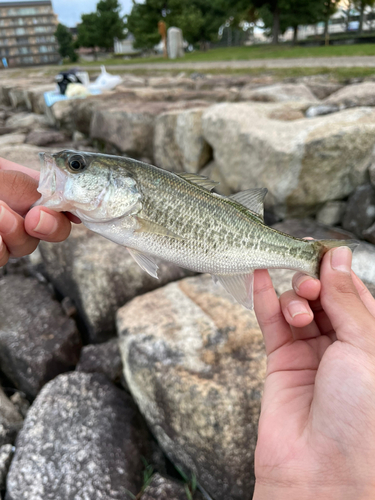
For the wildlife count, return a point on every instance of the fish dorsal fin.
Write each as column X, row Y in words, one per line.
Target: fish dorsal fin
column 240, row 286
column 152, row 227
column 199, row 180
column 145, row 262
column 252, row 199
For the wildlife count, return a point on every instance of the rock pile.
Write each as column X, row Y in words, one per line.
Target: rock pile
column 127, row 375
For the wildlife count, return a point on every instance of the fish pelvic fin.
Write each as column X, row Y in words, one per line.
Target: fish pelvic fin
column 239, row 286
column 145, row 262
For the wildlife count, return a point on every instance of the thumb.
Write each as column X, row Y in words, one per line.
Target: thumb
column 340, row 300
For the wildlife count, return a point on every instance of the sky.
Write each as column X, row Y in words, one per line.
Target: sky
column 69, row 11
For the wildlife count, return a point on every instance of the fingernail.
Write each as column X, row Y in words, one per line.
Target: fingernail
column 47, row 224
column 296, row 308
column 298, row 280
column 8, row 220
column 341, row 259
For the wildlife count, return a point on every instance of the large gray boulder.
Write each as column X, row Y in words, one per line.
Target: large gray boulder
column 82, row 438
column 37, row 340
column 178, row 141
column 25, row 122
column 278, row 93
column 130, row 126
column 194, row 362
column 359, row 94
column 303, row 163
column 165, row 488
column 99, row 276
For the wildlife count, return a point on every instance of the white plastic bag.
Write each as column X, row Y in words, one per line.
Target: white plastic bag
column 105, row 81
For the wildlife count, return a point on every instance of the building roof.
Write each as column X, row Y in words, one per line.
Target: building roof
column 26, row 3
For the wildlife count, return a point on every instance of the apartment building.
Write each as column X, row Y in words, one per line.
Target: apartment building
column 26, row 33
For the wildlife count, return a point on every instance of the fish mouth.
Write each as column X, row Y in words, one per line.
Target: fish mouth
column 51, row 182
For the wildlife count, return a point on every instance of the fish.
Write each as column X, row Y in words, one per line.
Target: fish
column 176, row 217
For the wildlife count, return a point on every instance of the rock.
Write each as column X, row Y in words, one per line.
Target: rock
column 212, row 171
column 322, row 109
column 322, row 90
column 331, row 213
column 20, row 402
column 6, row 130
column 10, row 139
column 45, row 137
column 99, row 276
column 286, row 114
column 25, row 122
column 6, row 454
column 130, row 81
column 23, row 154
column 130, row 126
column 37, row 341
column 361, row 94
column 194, row 362
column 303, row 163
column 360, row 210
column 10, row 420
column 178, row 141
column 82, row 438
column 278, row 93
column 165, row 488
column 102, row 358
column 363, row 256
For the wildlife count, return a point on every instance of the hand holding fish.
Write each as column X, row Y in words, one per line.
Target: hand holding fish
column 317, row 425
column 20, row 236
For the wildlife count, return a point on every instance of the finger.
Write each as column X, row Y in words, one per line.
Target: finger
column 296, row 310
column 321, row 319
column 46, row 224
column 349, row 317
column 275, row 329
column 4, row 253
column 10, row 165
column 18, row 190
column 364, row 293
column 306, row 286
column 12, row 231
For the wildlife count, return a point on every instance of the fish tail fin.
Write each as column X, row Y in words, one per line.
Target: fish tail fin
column 329, row 244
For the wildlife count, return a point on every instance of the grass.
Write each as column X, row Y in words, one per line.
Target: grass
column 253, row 52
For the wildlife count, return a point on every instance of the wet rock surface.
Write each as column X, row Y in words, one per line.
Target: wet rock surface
column 278, row 93
column 360, row 210
column 37, row 340
column 82, row 438
column 99, row 276
column 197, row 379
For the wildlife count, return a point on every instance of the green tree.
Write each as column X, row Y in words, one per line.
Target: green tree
column 65, row 40
column 110, row 23
column 329, row 8
column 199, row 20
column 360, row 5
column 98, row 29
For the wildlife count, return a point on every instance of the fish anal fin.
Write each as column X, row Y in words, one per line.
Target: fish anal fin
column 253, row 199
column 145, row 262
column 240, row 286
column 152, row 227
column 199, row 180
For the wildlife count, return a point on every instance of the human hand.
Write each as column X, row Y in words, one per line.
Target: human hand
column 317, row 424
column 21, row 228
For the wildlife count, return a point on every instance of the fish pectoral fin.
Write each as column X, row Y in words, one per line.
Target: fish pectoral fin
column 151, row 227
column 145, row 262
column 199, row 180
column 253, row 199
column 240, row 286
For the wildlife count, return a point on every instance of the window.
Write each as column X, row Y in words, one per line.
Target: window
column 20, row 31
column 23, row 50
column 22, row 40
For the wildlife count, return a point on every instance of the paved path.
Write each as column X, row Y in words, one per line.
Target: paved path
column 309, row 62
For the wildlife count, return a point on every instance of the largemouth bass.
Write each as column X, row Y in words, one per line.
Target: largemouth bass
column 176, row 217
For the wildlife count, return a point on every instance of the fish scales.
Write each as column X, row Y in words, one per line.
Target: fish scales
column 156, row 213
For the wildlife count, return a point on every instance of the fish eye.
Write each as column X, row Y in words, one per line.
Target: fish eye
column 76, row 164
